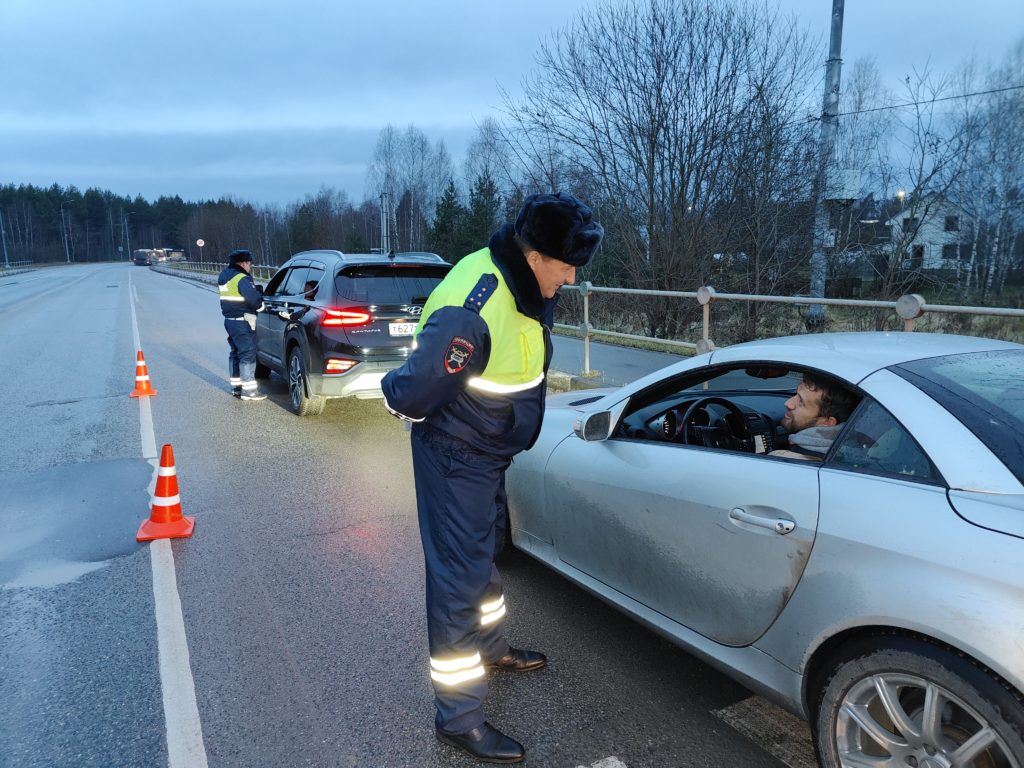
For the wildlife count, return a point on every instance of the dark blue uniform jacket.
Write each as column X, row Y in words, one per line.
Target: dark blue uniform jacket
column 431, row 385
column 246, row 287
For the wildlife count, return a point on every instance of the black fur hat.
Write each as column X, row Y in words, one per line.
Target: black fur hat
column 559, row 226
column 239, row 256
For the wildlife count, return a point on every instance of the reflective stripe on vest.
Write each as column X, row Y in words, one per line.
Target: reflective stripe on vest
column 229, row 291
column 516, row 363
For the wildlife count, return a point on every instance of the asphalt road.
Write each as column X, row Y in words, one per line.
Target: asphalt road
column 301, row 591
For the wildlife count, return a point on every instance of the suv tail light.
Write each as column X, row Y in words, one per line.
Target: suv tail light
column 334, row 318
column 339, row 365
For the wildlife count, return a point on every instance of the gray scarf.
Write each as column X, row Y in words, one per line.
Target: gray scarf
column 815, row 439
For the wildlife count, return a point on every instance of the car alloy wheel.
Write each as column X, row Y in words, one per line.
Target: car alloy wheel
column 904, row 703
column 303, row 403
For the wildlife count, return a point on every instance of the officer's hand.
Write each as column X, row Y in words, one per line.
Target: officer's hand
column 284, row 315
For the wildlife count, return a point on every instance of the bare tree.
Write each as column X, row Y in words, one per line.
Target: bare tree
column 412, row 174
column 931, row 150
column 1000, row 170
column 658, row 104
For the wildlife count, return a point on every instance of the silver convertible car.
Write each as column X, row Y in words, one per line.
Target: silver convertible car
column 878, row 593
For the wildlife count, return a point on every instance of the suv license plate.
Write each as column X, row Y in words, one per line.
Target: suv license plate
column 401, row 329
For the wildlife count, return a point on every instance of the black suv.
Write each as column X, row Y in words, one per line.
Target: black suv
column 350, row 320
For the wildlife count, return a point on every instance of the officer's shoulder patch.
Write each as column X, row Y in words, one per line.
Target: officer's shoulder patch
column 482, row 291
column 457, row 356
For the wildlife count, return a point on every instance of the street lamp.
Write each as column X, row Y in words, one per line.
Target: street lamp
column 64, row 230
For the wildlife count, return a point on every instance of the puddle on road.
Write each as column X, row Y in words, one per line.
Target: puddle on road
column 64, row 522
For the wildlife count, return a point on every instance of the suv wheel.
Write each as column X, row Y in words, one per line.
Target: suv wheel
column 896, row 701
column 303, row 403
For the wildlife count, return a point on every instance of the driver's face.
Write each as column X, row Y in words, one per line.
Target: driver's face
column 803, row 409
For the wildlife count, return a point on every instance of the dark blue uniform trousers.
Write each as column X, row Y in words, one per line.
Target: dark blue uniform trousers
column 242, row 357
column 460, row 497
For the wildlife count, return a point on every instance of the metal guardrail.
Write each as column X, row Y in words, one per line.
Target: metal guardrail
column 259, row 271
column 909, row 308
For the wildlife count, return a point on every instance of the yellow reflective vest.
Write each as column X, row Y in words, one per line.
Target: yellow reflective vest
column 516, row 361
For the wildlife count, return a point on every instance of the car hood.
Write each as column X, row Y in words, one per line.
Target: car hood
column 994, row 511
column 582, row 399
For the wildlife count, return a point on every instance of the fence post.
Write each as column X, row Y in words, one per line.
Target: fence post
column 585, row 327
column 909, row 307
column 706, row 295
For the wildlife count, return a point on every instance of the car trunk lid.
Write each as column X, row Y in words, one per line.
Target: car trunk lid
column 995, row 511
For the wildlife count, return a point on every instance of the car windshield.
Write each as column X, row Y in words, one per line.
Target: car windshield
column 985, row 392
column 387, row 284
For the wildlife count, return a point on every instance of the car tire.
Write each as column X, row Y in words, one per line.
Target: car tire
column 262, row 371
column 303, row 403
column 874, row 702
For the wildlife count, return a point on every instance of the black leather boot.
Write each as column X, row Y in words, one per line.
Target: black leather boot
column 485, row 743
column 519, row 660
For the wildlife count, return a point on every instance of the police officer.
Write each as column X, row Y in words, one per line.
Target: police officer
column 240, row 300
column 474, row 389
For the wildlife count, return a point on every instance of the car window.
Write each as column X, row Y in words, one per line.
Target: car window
column 296, row 282
column 313, row 277
column 752, row 379
column 385, row 284
column 275, row 283
column 875, row 443
column 984, row 391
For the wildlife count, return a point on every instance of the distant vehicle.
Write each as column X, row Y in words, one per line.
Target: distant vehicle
column 351, row 318
column 878, row 592
column 146, row 256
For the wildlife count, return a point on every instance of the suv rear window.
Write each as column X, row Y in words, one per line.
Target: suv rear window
column 389, row 284
column 985, row 391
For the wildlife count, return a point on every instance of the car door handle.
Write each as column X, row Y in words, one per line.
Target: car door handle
column 779, row 525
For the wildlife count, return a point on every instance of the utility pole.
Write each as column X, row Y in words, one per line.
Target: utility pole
column 385, row 223
column 823, row 237
column 64, row 231
column 127, row 237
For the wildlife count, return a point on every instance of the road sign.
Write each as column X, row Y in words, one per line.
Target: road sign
column 200, row 242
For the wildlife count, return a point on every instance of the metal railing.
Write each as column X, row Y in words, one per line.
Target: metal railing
column 259, row 271
column 909, row 308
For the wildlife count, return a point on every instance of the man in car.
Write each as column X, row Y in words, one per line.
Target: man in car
column 240, row 300
column 474, row 389
column 814, row 417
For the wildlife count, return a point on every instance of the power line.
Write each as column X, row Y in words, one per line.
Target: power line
column 930, row 101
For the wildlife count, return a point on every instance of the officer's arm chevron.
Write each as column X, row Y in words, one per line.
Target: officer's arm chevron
column 482, row 291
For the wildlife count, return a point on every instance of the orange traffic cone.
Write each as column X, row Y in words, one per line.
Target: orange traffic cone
column 166, row 520
column 142, row 386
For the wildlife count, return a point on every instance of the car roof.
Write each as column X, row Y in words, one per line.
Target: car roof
column 410, row 257
column 854, row 356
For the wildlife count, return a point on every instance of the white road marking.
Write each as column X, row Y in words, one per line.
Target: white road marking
column 185, row 748
column 608, row 762
column 780, row 733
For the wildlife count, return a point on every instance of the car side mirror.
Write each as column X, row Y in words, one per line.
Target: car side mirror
column 593, row 426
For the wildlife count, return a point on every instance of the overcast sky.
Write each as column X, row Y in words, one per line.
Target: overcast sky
column 268, row 102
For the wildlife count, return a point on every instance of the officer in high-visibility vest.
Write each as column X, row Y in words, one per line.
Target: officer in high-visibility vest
column 474, row 389
column 240, row 300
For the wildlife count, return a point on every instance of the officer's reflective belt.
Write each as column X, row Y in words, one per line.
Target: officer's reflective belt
column 457, row 670
column 502, row 389
column 491, row 612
